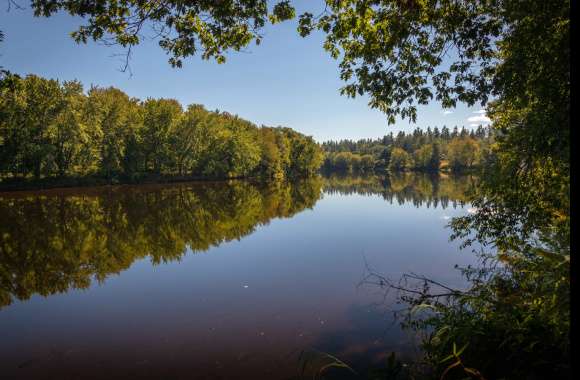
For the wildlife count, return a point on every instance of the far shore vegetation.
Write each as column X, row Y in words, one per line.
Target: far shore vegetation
column 430, row 150
column 54, row 134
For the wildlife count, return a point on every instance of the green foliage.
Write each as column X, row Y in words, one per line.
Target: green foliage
column 305, row 155
column 428, row 149
column 513, row 320
column 191, row 138
column 341, row 161
column 160, row 117
column 36, row 103
column 182, row 28
column 526, row 192
column 435, row 159
column 400, row 160
column 462, row 153
column 346, row 162
column 231, row 153
column 516, row 312
column 373, row 40
column 273, row 147
column 114, row 117
column 422, row 157
column 52, row 130
column 393, row 50
column 458, row 363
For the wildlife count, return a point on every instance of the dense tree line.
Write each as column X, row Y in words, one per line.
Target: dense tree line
column 427, row 150
column 51, row 129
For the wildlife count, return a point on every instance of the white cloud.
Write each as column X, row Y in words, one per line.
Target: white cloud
column 482, row 119
column 447, row 112
column 474, row 125
column 481, row 112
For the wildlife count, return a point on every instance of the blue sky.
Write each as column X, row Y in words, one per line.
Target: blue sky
column 287, row 80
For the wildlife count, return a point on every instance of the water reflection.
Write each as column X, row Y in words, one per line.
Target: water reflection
column 417, row 188
column 57, row 240
column 61, row 239
column 243, row 310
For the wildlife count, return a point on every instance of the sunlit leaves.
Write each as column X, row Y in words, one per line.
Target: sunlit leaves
column 400, row 160
column 397, row 52
column 282, row 11
column 462, row 153
column 52, row 130
column 182, row 28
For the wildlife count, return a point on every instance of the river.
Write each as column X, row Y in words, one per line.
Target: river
column 224, row 280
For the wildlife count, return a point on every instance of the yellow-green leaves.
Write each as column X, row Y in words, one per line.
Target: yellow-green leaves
column 282, row 11
column 48, row 129
column 182, row 28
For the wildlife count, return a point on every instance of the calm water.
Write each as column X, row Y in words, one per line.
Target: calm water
column 215, row 280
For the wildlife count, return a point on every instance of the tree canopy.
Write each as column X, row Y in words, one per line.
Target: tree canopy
column 430, row 150
column 183, row 28
column 50, row 129
column 400, row 52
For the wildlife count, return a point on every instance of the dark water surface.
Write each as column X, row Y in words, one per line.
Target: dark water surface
column 214, row 280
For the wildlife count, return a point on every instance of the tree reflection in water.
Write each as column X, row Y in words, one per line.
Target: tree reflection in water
column 57, row 240
column 52, row 241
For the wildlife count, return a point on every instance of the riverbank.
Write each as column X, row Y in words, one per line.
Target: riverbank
column 12, row 185
column 31, row 184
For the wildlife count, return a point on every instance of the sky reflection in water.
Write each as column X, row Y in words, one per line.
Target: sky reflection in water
column 214, row 280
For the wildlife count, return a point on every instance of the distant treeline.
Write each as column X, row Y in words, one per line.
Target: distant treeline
column 50, row 129
column 431, row 151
